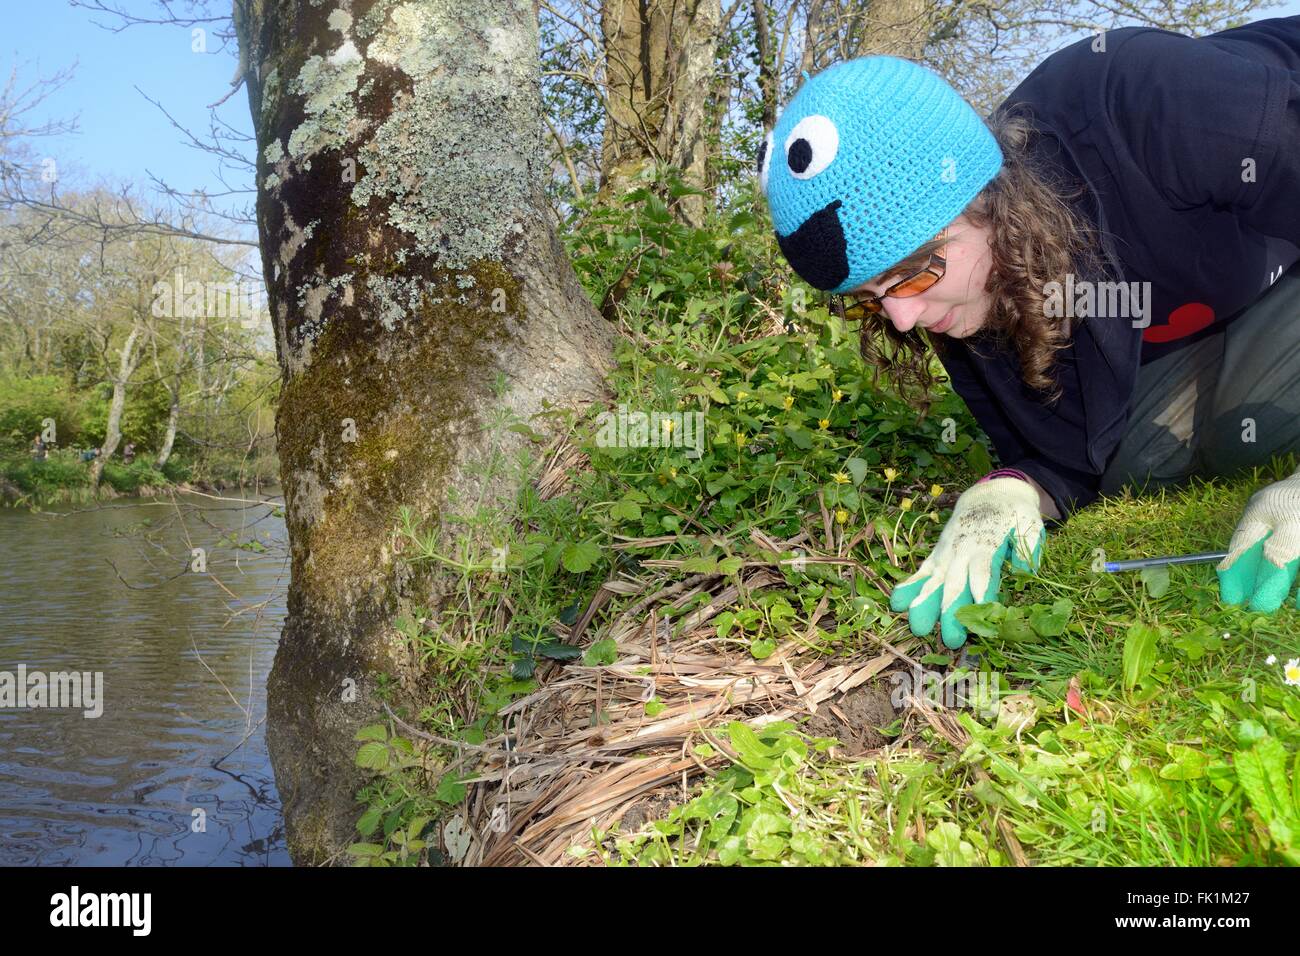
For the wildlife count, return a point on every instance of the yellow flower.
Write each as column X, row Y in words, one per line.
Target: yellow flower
column 667, row 424
column 906, row 504
column 934, row 516
column 840, row 478
column 841, row 516
column 789, row 402
column 936, row 491
column 890, row 474
column 672, row 472
column 741, row 393
column 836, row 395
column 824, row 424
column 740, row 439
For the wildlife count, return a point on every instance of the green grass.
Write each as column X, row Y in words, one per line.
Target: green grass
column 1155, row 778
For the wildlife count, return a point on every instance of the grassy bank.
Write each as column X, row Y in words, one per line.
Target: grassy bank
column 1114, row 719
column 63, row 478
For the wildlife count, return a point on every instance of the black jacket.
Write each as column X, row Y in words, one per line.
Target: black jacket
column 1190, row 151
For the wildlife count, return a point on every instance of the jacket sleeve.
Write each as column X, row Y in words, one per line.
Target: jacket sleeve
column 1069, row 488
column 1239, row 148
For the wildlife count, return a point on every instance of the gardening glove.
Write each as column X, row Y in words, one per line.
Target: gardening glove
column 988, row 517
column 1265, row 548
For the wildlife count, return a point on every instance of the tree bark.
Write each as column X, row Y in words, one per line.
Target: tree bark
column 126, row 363
column 659, row 70
column 416, row 287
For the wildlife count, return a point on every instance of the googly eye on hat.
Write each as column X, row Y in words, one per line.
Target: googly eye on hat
column 869, row 161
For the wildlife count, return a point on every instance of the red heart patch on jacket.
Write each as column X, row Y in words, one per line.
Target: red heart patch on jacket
column 1183, row 321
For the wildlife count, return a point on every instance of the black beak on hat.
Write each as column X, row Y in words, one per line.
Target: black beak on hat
column 817, row 250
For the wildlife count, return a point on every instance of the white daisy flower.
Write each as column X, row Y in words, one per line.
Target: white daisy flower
column 1270, row 660
column 1292, row 672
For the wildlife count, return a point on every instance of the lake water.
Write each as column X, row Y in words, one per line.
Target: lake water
column 165, row 774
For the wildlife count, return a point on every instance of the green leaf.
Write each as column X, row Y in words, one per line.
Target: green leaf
column 722, row 623
column 1156, row 580
column 373, row 756
column 762, row 648
column 523, row 668
column 800, row 436
column 1188, row 763
column 625, row 510
column 369, row 821
column 1051, row 622
column 450, row 790
column 857, row 469
column 753, row 752
column 1261, row 771
column 560, row 652
column 601, row 654
column 1015, row 628
column 730, row 565
column 580, row 556
column 365, row 850
column 1139, row 653
column 372, row 732
column 654, row 707
column 982, row 619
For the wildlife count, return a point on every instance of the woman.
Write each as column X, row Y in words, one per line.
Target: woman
column 1102, row 270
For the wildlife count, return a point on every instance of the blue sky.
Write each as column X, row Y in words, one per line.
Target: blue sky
column 121, row 134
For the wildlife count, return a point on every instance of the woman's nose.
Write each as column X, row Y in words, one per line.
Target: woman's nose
column 904, row 313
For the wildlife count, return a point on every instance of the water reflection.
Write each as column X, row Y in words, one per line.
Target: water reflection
column 184, row 656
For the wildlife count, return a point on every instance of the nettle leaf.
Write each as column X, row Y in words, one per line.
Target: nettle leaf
column 700, row 564
column 450, row 790
column 523, row 668
column 373, row 756
column 580, row 556
column 1139, row 653
column 625, row 510
column 560, row 652
column 730, row 565
column 372, row 732
column 1156, row 580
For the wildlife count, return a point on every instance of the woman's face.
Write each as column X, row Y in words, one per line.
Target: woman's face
column 957, row 304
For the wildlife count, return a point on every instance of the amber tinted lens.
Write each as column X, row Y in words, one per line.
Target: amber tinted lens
column 861, row 308
column 914, row 285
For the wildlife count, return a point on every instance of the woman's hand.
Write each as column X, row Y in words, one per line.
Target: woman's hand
column 988, row 517
column 1265, row 548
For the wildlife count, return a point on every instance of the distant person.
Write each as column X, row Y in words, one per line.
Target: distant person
column 128, row 453
column 90, row 454
column 38, row 449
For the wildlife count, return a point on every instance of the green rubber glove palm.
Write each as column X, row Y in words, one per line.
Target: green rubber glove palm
column 990, row 519
column 1265, row 549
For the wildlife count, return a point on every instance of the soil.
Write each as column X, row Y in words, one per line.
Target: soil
column 867, row 708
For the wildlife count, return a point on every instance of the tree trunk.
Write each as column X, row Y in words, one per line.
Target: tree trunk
column 173, row 418
column 416, row 285
column 659, row 68
column 113, row 427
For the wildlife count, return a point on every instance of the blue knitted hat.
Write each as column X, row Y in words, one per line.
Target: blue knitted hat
column 868, row 161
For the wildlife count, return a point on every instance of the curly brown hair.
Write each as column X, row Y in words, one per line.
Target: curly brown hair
column 1036, row 237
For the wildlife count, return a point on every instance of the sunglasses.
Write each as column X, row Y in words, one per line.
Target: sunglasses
column 913, row 284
